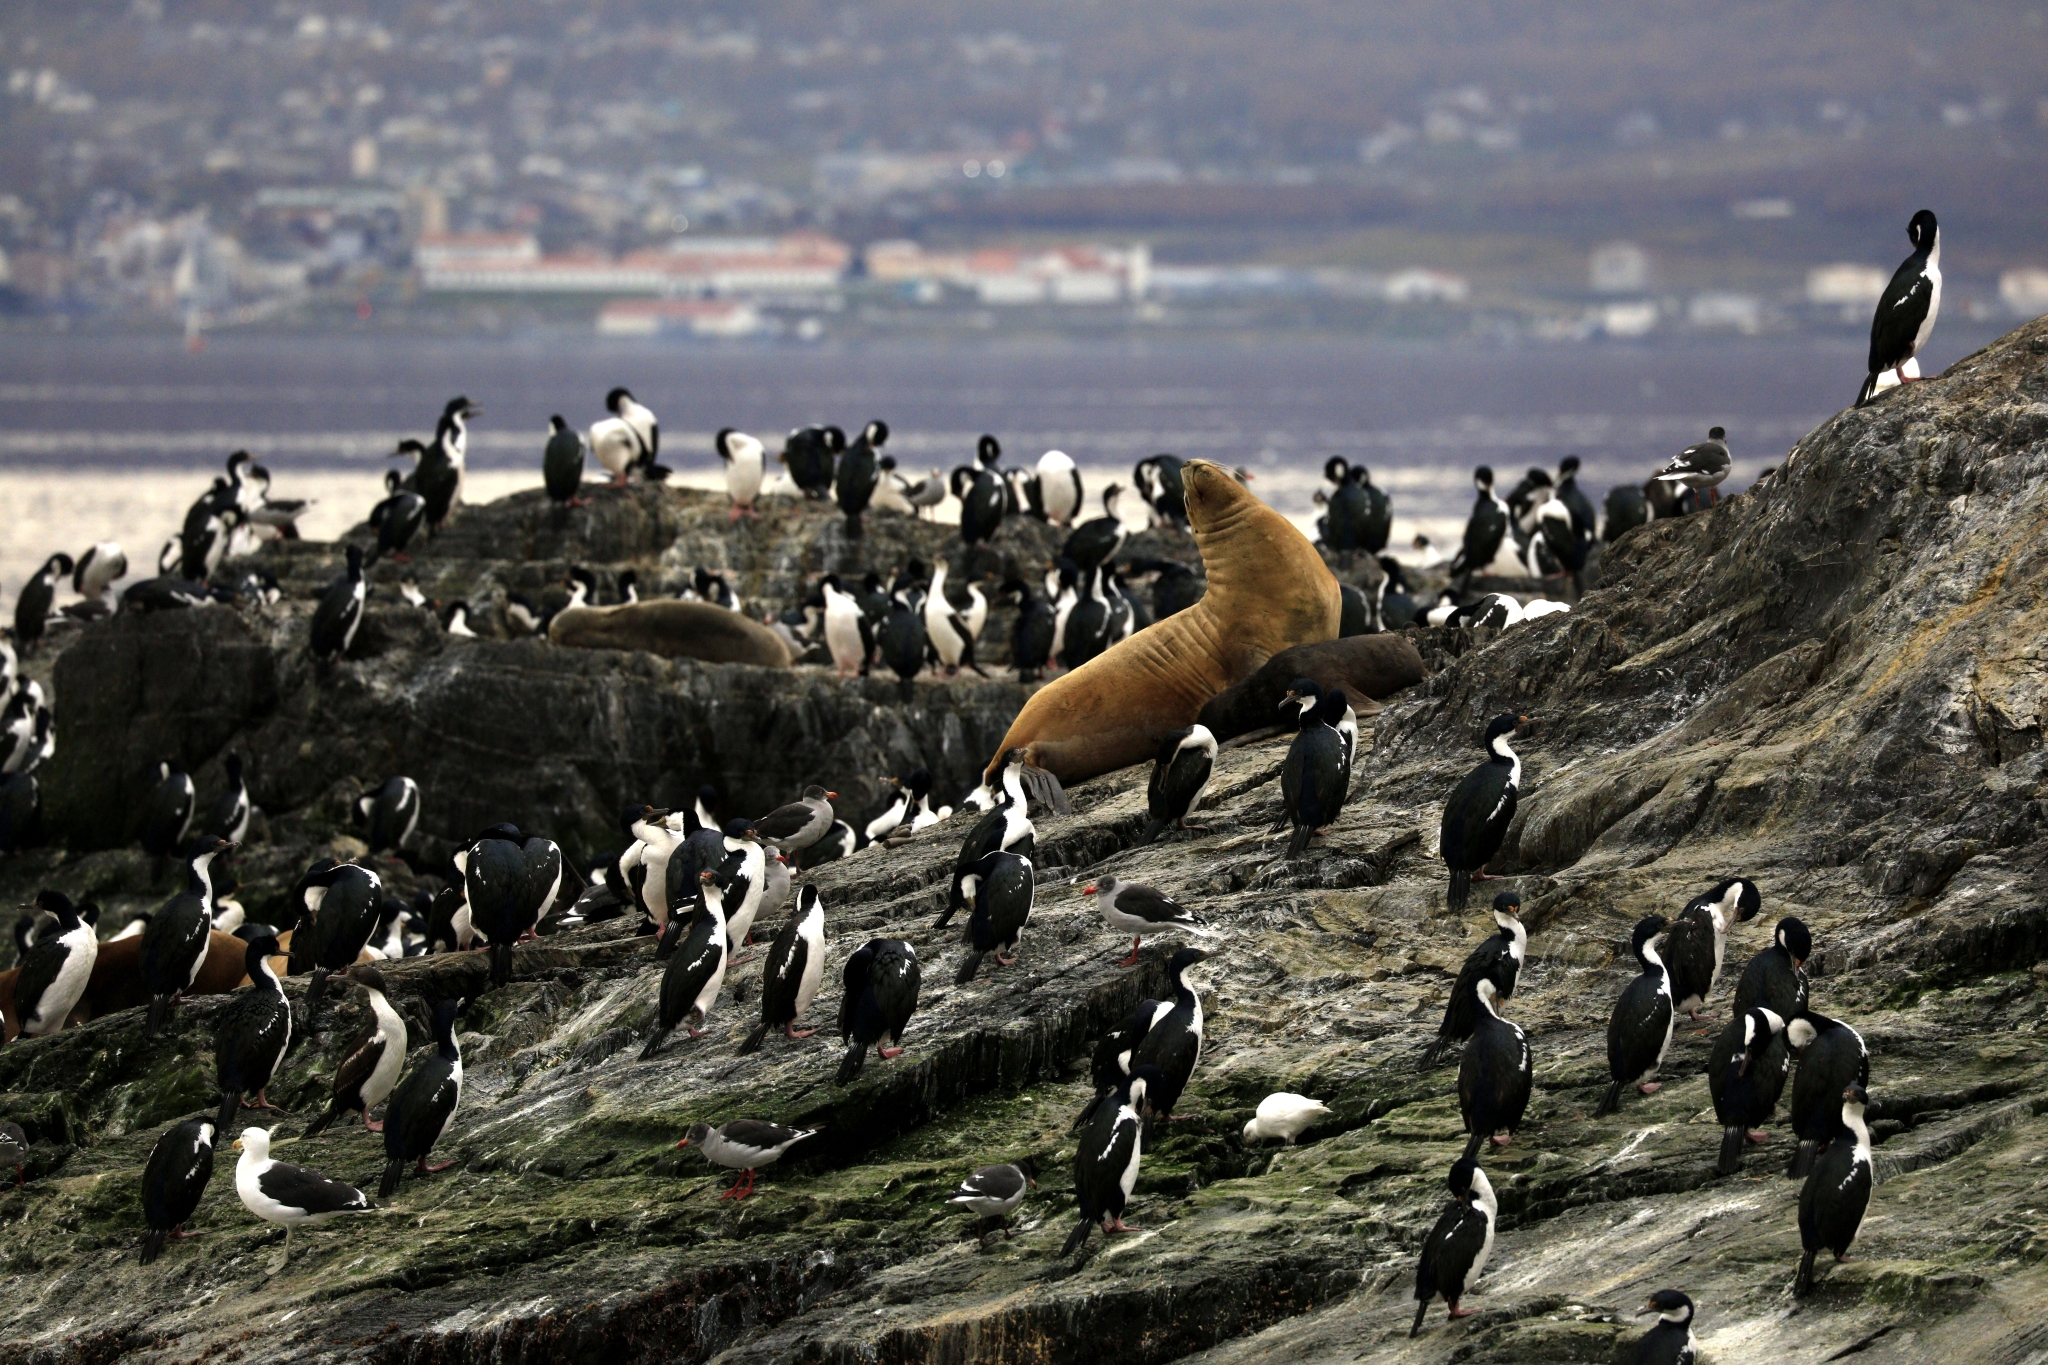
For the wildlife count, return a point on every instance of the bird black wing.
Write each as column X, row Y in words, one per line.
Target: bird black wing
column 420, row 1108
column 855, row 979
column 992, row 1182
column 1151, row 905
column 357, row 1067
column 297, row 1187
column 1174, row 1047
column 896, row 984
column 179, row 1168
column 1896, row 324
column 1635, row 1029
column 761, row 1136
column 1476, row 817
column 1689, row 955
column 38, row 970
column 782, row 973
column 785, row 821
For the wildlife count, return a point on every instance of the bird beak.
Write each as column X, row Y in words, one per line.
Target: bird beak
column 1088, row 891
column 831, row 796
column 237, row 1144
column 684, row 1143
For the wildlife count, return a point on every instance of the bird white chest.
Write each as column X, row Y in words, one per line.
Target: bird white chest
column 81, row 950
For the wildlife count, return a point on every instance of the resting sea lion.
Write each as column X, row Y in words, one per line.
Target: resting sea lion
column 1268, row 589
column 674, row 630
column 1368, row 668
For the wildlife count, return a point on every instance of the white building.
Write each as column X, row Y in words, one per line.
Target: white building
column 1844, row 285
column 2025, row 291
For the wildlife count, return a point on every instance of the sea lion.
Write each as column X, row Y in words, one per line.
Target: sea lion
column 674, row 630
column 1268, row 589
column 1369, row 668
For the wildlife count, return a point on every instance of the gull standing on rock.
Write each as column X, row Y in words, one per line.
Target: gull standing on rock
column 992, row 1193
column 290, row 1196
column 1137, row 909
column 1702, row 466
column 743, row 1145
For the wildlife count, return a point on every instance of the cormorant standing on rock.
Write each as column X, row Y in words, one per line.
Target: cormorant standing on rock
column 1908, row 307
column 1497, row 959
column 1480, row 809
column 1457, row 1248
column 1639, row 1030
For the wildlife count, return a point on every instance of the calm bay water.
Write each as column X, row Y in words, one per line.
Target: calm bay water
column 113, row 437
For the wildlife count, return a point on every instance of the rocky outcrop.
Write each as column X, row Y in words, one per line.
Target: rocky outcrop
column 1829, row 683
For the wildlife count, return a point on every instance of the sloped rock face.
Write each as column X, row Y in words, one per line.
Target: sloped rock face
column 1826, row 684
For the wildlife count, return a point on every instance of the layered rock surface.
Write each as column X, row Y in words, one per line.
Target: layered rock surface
column 1831, row 684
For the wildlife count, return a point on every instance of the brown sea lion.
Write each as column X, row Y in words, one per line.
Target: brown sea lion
column 1369, row 668
column 674, row 630
column 1268, row 589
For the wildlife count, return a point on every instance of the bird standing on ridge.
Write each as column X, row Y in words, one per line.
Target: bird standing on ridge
column 1701, row 466
column 1495, row 1078
column 1457, row 1248
column 743, row 1146
column 1106, row 1161
column 1639, row 1030
column 562, row 463
column 423, row 1105
column 1837, row 1191
column 254, row 1032
column 1907, row 309
column 290, row 1196
column 1497, row 959
column 180, row 1166
column 1180, row 779
column 1480, row 809
column 794, row 970
column 745, row 464
column 992, row 1193
column 881, row 982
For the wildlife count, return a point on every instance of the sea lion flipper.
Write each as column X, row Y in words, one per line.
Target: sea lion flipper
column 1041, row 786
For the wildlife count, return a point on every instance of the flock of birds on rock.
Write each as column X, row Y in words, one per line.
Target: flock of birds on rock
column 699, row 885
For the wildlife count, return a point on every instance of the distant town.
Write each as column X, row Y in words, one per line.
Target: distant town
column 479, row 167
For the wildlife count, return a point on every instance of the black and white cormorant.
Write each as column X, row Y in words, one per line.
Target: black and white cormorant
column 1639, row 1030
column 696, row 969
column 53, row 973
column 1832, row 1057
column 1485, row 529
column 367, row 1074
column 1031, row 637
column 342, row 905
column 180, row 1165
column 1701, row 466
column 1005, row 826
column 744, row 1146
column 175, row 942
column 901, row 639
column 1837, row 1191
column 562, row 463
column 1097, row 540
column 169, row 817
column 494, row 883
column 1669, row 1341
column 1173, row 1043
column 253, row 1034
column 1697, row 944
column 229, row 818
column 983, row 498
column 1497, row 959
column 993, row 1193
column 1457, row 1248
column 287, row 1195
column 398, row 517
column 1496, row 1075
column 1106, row 1161
column 858, row 473
column 881, row 981
column 1736, row 1077
column 1316, row 775
column 950, row 633
column 1480, row 809
column 32, row 607
column 1180, row 778
column 391, row 813
column 794, row 969
column 1908, row 307
column 1000, row 888
column 1163, row 488
column 340, row 612
column 423, row 1105
column 1776, row 979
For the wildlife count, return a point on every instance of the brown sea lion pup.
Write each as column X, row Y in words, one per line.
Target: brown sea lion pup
column 674, row 630
column 1368, row 668
column 1268, row 589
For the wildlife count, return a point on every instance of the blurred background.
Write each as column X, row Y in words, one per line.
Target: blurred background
column 1420, row 236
